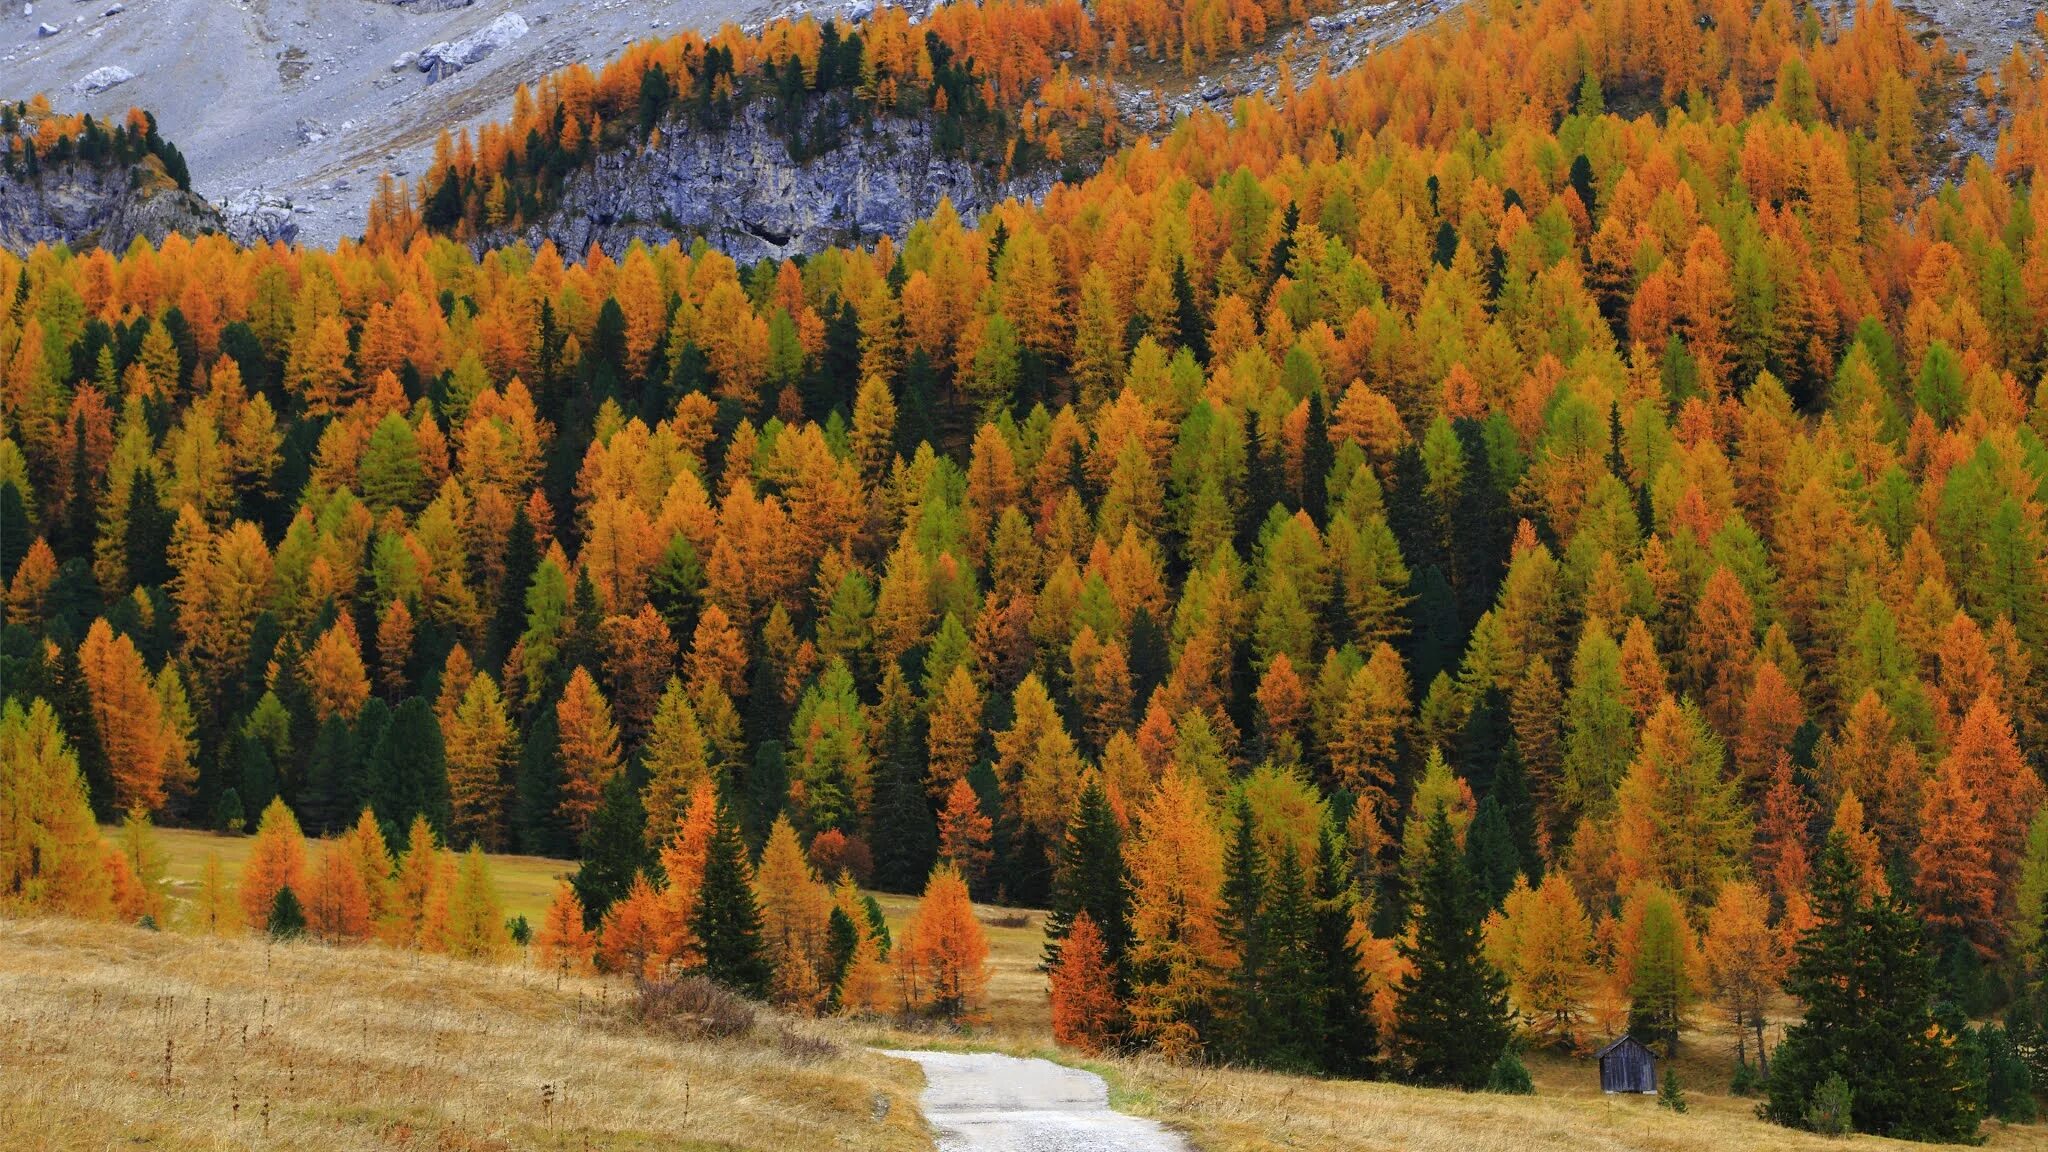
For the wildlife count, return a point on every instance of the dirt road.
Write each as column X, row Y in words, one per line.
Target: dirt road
column 986, row 1103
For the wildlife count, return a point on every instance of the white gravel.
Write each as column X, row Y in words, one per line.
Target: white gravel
column 986, row 1103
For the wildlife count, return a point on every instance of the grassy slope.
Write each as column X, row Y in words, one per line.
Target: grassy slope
column 497, row 1036
column 305, row 1047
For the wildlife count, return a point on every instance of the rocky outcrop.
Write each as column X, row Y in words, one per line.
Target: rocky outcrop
column 252, row 218
column 85, row 205
column 440, row 61
column 742, row 191
column 100, row 79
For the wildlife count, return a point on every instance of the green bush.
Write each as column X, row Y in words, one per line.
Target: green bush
column 1670, row 1095
column 1829, row 1114
column 1746, row 1081
column 287, row 918
column 1510, row 1077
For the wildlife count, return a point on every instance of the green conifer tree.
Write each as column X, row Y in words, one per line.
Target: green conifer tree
column 728, row 921
column 1868, row 986
column 1091, row 878
column 1453, row 1018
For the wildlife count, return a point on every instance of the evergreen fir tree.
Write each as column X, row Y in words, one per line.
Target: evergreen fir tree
column 537, row 793
column 1517, row 808
column 1490, row 853
column 1291, row 1003
column 324, row 800
column 1868, row 987
column 1453, row 1019
column 1244, row 927
column 1091, row 878
column 1483, row 739
column 1318, row 457
column 904, row 834
column 287, row 919
column 522, row 555
column 842, row 936
column 915, row 403
column 1350, row 1035
column 15, row 532
column 728, row 921
column 412, row 769
column 614, row 848
column 255, row 775
column 767, row 789
column 147, row 544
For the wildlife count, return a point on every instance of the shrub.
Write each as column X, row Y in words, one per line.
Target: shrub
column 803, row 1047
column 1670, row 1095
column 692, row 1008
column 287, row 918
column 1745, row 1082
column 834, row 852
column 2008, row 1083
column 519, row 930
column 1510, row 1077
column 1829, row 1114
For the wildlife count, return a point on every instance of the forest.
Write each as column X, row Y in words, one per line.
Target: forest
column 1537, row 537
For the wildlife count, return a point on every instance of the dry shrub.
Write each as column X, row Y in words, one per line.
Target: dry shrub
column 804, row 1047
column 692, row 1008
column 1010, row 920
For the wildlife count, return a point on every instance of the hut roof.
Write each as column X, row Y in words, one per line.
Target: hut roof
column 1626, row 1039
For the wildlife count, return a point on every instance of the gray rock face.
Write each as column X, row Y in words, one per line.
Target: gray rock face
column 445, row 59
column 743, row 193
column 85, row 206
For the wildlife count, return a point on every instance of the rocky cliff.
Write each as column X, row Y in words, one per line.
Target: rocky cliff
column 86, row 205
column 742, row 189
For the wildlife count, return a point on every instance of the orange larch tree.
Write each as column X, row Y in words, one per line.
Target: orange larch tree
column 942, row 963
column 1086, row 1014
column 588, row 748
column 277, row 860
column 562, row 944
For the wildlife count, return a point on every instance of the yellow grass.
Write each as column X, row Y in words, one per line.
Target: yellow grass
column 122, row 1037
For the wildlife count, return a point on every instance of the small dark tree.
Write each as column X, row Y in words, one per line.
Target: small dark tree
column 728, row 921
column 614, row 848
column 1244, row 898
column 1350, row 1035
column 287, row 919
column 1091, row 878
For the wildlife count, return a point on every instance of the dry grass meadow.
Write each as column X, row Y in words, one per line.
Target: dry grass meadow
column 122, row 1037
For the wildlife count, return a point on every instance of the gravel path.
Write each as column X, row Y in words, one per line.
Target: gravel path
column 986, row 1103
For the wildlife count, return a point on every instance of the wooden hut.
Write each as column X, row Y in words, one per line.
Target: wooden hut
column 1627, row 1066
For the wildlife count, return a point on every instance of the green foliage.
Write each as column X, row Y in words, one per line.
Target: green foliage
column 1510, row 1077
column 1453, row 1016
column 728, row 921
column 1832, row 1110
column 1868, row 985
column 287, row 918
column 1669, row 1095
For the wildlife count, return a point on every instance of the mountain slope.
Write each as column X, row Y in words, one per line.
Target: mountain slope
column 300, row 99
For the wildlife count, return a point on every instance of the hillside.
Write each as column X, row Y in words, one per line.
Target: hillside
column 63, row 180
column 1537, row 537
column 370, row 1048
column 309, row 101
column 181, row 1044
